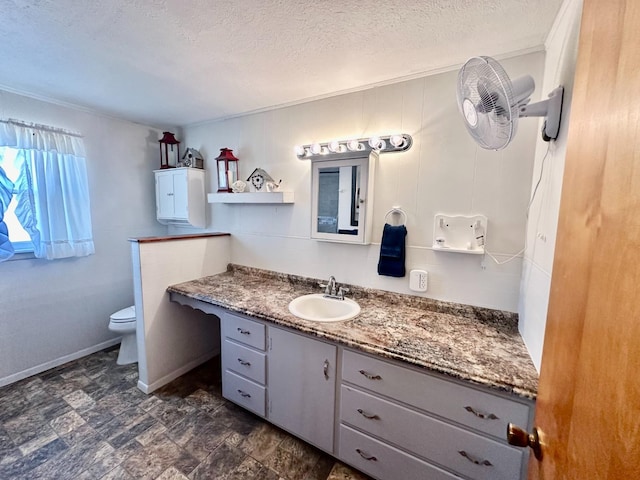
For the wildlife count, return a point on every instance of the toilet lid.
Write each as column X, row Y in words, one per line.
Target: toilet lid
column 125, row 315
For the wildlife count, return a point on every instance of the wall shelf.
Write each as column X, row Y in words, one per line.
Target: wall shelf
column 475, row 251
column 459, row 233
column 251, row 197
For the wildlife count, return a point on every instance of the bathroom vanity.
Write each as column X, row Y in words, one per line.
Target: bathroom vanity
column 411, row 388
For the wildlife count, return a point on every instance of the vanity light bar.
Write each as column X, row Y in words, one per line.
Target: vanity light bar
column 336, row 149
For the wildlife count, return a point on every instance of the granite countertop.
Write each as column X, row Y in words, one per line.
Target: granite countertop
column 475, row 344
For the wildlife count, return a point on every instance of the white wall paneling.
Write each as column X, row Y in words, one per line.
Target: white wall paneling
column 444, row 172
column 560, row 65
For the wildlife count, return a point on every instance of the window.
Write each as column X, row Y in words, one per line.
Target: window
column 18, row 236
column 44, row 193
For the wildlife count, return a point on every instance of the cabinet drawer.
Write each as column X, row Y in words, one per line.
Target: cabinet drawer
column 467, row 453
column 243, row 360
column 244, row 392
column 244, row 331
column 383, row 461
column 482, row 411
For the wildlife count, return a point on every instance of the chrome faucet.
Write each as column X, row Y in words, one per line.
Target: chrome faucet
column 331, row 286
column 330, row 289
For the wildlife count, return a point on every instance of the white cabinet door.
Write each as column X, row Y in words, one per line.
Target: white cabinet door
column 165, row 195
column 180, row 195
column 301, row 386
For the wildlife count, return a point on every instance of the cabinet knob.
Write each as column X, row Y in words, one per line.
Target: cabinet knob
column 244, row 363
column 519, row 437
column 244, row 394
column 244, row 332
column 325, row 369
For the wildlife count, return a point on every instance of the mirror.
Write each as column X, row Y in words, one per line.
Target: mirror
column 342, row 191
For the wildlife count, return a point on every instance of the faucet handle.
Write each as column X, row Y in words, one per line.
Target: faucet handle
column 342, row 291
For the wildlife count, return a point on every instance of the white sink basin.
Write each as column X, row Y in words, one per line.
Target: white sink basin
column 318, row 308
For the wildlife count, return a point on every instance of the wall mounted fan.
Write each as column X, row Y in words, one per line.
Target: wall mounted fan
column 491, row 103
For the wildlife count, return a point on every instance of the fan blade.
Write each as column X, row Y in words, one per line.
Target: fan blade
column 488, row 99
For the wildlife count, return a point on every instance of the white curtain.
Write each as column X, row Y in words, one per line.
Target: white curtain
column 51, row 191
column 6, row 193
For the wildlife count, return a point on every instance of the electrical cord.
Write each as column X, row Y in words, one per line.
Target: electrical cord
column 533, row 196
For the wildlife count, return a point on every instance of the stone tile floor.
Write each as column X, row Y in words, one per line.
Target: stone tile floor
column 88, row 420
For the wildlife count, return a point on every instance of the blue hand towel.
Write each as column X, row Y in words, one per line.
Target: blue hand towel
column 392, row 251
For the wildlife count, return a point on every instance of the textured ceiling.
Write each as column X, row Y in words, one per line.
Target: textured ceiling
column 178, row 62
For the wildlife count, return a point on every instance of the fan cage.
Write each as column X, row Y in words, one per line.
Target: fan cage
column 487, row 86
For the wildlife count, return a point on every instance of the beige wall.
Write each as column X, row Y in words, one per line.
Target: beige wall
column 54, row 311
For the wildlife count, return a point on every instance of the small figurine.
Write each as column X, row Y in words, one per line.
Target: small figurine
column 273, row 186
column 238, row 186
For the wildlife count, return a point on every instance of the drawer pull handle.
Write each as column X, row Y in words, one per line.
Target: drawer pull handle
column 244, row 363
column 371, row 458
column 484, row 416
column 369, row 376
column 477, row 461
column 244, row 394
column 325, row 369
column 368, row 415
column 244, row 332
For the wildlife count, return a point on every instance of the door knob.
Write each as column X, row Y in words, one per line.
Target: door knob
column 518, row 437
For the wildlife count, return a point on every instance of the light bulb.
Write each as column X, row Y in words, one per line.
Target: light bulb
column 316, row 149
column 353, row 145
column 334, row 146
column 397, row 141
column 300, row 150
column 377, row 143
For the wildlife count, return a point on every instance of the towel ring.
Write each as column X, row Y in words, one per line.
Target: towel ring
column 397, row 210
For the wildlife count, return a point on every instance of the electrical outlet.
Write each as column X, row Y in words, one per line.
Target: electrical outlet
column 418, row 280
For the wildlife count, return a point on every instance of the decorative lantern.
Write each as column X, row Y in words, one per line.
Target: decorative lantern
column 169, row 150
column 227, row 169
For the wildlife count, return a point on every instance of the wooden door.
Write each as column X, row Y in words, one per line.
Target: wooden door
column 301, row 381
column 588, row 408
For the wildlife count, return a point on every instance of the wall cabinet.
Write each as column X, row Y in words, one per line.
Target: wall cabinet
column 393, row 421
column 180, row 197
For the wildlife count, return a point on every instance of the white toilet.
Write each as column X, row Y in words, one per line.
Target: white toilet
column 123, row 322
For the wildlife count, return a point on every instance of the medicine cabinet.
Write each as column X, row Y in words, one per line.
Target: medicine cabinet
column 342, row 198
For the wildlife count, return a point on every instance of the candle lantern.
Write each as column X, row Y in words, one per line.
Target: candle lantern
column 169, row 150
column 227, row 169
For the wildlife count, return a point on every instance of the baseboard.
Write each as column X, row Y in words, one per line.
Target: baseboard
column 57, row 362
column 161, row 382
